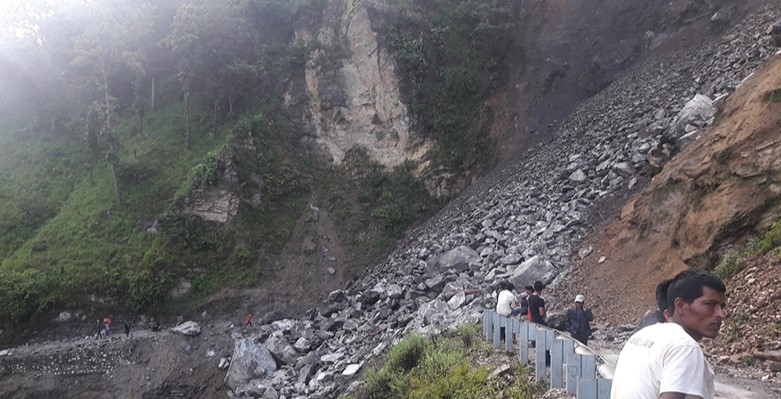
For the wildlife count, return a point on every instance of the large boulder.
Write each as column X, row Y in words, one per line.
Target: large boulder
column 534, row 269
column 456, row 260
column 698, row 112
column 188, row 328
column 250, row 360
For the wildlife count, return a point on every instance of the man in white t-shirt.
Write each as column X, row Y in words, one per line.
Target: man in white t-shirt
column 665, row 361
column 507, row 303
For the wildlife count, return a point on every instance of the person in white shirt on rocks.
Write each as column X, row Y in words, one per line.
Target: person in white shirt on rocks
column 665, row 361
column 507, row 303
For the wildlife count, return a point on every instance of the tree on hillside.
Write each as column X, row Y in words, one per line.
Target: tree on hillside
column 114, row 42
column 216, row 52
column 184, row 43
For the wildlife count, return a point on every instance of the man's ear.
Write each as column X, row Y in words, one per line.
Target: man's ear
column 679, row 304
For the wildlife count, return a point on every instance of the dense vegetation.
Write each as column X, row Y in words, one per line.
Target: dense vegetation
column 451, row 54
column 446, row 366
column 117, row 116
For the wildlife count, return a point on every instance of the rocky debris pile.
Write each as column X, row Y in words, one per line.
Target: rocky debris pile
column 83, row 358
column 521, row 228
column 752, row 332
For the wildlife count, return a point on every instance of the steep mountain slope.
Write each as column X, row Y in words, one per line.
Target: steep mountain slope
column 720, row 191
column 535, row 210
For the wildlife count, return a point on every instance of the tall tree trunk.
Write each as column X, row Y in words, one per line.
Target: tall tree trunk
column 114, row 157
column 187, row 139
column 215, row 106
column 152, row 97
column 117, row 195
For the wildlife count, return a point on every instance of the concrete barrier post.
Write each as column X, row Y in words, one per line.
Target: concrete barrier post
column 488, row 319
column 573, row 373
column 594, row 388
column 603, row 388
column 509, row 333
column 539, row 359
column 497, row 329
column 524, row 344
column 557, row 364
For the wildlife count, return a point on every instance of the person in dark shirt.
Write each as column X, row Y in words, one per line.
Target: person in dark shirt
column 661, row 302
column 525, row 300
column 537, row 305
column 579, row 320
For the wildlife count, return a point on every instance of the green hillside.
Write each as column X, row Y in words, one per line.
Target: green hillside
column 118, row 117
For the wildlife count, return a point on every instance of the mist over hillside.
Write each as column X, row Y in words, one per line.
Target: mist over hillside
column 353, row 171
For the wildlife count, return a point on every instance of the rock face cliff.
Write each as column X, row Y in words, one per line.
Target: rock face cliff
column 353, row 88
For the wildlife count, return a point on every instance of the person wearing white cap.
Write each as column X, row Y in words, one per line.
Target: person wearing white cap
column 578, row 320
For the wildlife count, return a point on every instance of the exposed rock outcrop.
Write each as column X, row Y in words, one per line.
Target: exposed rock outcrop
column 353, row 88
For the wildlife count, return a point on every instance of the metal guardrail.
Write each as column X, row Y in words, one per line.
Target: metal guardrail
column 573, row 366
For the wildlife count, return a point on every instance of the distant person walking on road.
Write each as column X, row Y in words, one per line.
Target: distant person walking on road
column 664, row 360
column 661, row 303
column 248, row 321
column 578, row 320
column 537, row 304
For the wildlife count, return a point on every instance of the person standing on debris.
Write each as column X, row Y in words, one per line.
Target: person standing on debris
column 578, row 320
column 100, row 331
column 664, row 360
column 248, row 321
column 506, row 303
column 661, row 302
column 537, row 304
column 107, row 326
column 127, row 329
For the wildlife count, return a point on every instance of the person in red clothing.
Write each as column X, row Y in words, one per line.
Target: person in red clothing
column 107, row 326
column 248, row 322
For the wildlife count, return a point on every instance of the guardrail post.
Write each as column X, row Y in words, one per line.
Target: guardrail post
column 557, row 363
column 603, row 388
column 587, row 380
column 573, row 372
column 488, row 319
column 587, row 389
column 497, row 329
column 509, row 333
column 539, row 360
column 524, row 344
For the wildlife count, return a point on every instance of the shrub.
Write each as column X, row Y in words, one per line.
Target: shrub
column 470, row 334
column 771, row 240
column 729, row 264
column 147, row 288
column 772, row 96
column 23, row 294
column 382, row 384
column 406, row 355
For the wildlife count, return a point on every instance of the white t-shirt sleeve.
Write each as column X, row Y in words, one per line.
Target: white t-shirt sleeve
column 683, row 369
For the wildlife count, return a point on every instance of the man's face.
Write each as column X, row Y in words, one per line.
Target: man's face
column 579, row 305
column 703, row 317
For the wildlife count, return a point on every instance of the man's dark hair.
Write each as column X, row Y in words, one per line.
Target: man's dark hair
column 538, row 286
column 501, row 286
column 510, row 286
column 529, row 287
column 661, row 294
column 688, row 285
